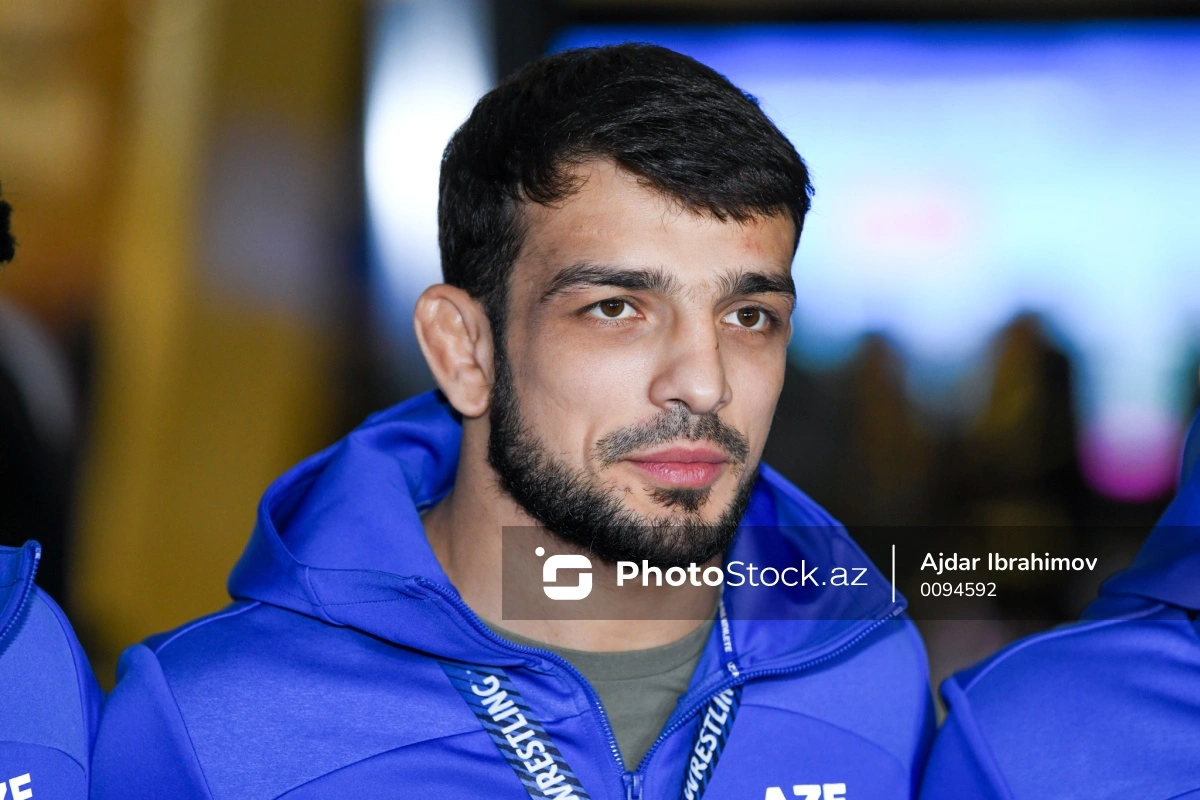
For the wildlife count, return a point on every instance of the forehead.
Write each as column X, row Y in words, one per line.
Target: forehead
column 613, row 219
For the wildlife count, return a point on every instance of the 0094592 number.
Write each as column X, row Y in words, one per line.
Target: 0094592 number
column 958, row 590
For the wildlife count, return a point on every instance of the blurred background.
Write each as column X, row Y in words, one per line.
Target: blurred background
column 226, row 208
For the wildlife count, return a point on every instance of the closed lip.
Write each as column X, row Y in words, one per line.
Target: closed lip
column 682, row 455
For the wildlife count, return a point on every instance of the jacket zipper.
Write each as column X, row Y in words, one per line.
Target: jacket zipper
column 632, row 780
column 26, row 590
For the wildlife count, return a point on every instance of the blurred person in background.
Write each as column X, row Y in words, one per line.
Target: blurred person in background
column 38, row 425
column 1017, row 463
column 1105, row 708
column 49, row 698
column 617, row 229
column 889, row 459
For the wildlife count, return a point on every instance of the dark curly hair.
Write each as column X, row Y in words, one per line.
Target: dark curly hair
column 677, row 124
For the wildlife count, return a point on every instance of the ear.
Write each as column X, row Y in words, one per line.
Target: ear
column 456, row 339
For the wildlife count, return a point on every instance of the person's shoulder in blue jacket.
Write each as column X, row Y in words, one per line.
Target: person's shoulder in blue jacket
column 49, row 698
column 1108, row 707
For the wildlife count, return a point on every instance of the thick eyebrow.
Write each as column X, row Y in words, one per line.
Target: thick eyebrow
column 742, row 282
column 735, row 282
column 588, row 274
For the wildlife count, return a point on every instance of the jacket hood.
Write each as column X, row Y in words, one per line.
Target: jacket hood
column 1167, row 567
column 339, row 538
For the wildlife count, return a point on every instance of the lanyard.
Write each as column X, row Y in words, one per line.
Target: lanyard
column 541, row 767
column 518, row 735
column 715, row 724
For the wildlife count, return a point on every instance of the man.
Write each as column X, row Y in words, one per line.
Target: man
column 617, row 227
column 1105, row 708
column 49, row 698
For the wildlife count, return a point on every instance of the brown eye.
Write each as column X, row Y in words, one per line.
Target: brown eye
column 612, row 308
column 749, row 317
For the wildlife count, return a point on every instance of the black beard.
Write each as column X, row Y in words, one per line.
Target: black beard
column 573, row 508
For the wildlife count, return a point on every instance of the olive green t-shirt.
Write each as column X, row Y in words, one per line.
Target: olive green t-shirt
column 639, row 688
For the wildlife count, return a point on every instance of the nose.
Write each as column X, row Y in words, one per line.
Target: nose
column 692, row 369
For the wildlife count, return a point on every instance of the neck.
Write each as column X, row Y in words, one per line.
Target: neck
column 465, row 531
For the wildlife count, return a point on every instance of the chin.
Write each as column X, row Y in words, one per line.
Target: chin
column 654, row 504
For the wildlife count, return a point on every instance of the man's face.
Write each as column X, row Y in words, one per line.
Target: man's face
column 643, row 356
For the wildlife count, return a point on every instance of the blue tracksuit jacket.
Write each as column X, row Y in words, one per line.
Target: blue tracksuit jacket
column 323, row 678
column 49, row 698
column 1105, row 708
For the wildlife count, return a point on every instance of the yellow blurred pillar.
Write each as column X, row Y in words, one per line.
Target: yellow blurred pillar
column 212, row 377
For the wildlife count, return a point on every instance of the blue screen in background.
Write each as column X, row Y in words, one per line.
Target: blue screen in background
column 967, row 173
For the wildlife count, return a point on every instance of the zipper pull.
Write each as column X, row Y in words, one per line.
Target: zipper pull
column 633, row 786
